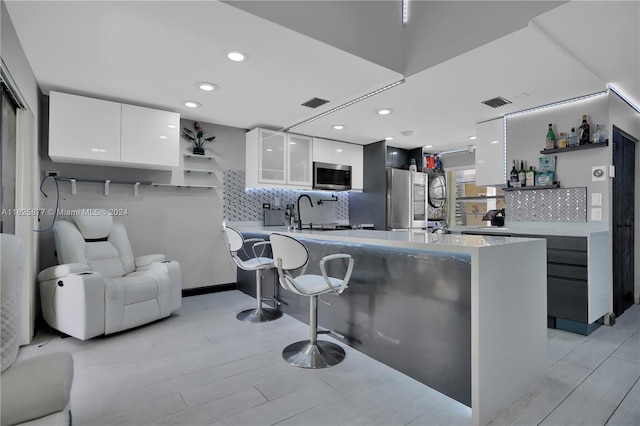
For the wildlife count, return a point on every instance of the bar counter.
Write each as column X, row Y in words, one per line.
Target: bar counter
column 463, row 314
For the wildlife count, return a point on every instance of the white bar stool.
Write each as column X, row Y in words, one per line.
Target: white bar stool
column 258, row 264
column 290, row 254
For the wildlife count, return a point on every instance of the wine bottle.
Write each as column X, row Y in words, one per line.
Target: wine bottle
column 522, row 174
column 551, row 138
column 531, row 174
column 513, row 177
column 583, row 130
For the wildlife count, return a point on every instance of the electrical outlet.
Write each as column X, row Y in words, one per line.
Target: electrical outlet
column 51, row 173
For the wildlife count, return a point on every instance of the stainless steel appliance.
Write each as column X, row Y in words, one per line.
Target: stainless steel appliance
column 336, row 177
column 407, row 199
column 437, row 196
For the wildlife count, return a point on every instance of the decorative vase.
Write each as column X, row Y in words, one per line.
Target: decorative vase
column 198, row 150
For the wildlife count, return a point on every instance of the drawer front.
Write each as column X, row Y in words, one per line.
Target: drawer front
column 567, row 243
column 569, row 257
column 567, row 271
column 567, row 299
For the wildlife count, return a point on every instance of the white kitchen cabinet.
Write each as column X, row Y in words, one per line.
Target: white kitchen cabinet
column 83, row 130
column 149, row 137
column 357, row 167
column 322, row 150
column 92, row 131
column 332, row 152
column 278, row 159
column 348, row 154
column 299, row 160
column 490, row 155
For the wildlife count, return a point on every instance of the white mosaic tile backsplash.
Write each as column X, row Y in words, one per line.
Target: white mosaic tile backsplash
column 546, row 205
column 242, row 205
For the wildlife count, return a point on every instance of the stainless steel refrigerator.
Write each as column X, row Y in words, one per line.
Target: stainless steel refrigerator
column 407, row 199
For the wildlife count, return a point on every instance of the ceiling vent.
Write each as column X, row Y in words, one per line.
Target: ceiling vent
column 496, row 102
column 315, row 102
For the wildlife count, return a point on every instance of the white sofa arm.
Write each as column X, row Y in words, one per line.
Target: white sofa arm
column 172, row 268
column 148, row 259
column 37, row 387
column 74, row 304
column 61, row 271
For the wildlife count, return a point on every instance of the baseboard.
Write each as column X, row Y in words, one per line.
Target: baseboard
column 208, row 289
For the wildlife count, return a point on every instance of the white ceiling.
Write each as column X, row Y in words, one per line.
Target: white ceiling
column 152, row 53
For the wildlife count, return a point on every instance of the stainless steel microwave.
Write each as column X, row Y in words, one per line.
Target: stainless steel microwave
column 334, row 177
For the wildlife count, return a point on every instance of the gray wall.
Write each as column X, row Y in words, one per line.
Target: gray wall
column 526, row 137
column 185, row 224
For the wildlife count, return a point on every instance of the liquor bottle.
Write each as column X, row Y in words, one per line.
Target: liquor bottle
column 600, row 135
column 583, row 130
column 531, row 175
column 572, row 140
column 562, row 140
column 522, row 174
column 551, row 138
column 513, row 177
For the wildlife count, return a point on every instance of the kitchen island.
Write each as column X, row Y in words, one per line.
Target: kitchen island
column 466, row 315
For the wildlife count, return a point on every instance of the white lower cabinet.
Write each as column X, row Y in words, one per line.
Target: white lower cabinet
column 93, row 131
column 278, row 159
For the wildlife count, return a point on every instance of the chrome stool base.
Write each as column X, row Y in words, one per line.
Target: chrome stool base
column 259, row 315
column 321, row 355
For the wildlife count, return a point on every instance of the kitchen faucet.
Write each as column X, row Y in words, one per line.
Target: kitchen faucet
column 299, row 211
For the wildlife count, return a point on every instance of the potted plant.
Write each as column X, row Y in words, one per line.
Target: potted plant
column 197, row 137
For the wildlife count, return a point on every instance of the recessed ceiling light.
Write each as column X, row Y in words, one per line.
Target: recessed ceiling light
column 191, row 104
column 472, row 138
column 269, row 150
column 98, row 150
column 163, row 137
column 172, row 126
column 389, row 138
column 338, row 126
column 207, row 87
column 237, row 56
column 428, row 146
column 408, row 132
column 384, row 111
column 494, row 141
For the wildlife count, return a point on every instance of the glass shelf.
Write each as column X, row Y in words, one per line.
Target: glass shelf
column 555, row 185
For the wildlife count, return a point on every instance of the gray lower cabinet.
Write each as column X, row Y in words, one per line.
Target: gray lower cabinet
column 574, row 303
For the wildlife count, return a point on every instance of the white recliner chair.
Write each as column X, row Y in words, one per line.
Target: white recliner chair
column 37, row 390
column 99, row 287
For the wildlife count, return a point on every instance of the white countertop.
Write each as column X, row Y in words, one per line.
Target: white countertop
column 418, row 239
column 586, row 229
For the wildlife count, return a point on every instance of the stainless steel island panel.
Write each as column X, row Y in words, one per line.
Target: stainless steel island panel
column 407, row 308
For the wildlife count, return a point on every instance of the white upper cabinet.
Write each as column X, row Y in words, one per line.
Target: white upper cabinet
column 348, row 154
column 278, row 159
column 92, row 131
column 149, row 137
column 490, row 159
column 332, row 152
column 357, row 167
column 83, row 130
column 299, row 162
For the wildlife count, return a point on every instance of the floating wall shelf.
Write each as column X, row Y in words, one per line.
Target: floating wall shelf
column 199, row 157
column 575, row 148
column 205, row 171
column 555, row 185
column 183, row 185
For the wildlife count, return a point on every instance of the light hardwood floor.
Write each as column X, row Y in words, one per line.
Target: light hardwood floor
column 202, row 366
